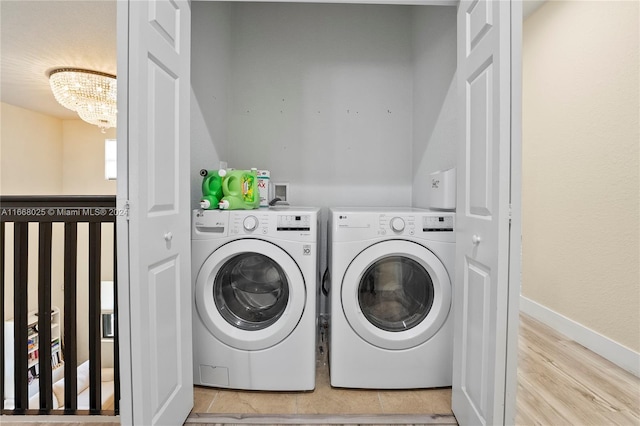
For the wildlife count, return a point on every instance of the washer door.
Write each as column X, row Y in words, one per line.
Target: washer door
column 396, row 294
column 250, row 294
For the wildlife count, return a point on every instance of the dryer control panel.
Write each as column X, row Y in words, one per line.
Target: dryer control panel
column 397, row 224
column 358, row 224
column 438, row 223
column 294, row 222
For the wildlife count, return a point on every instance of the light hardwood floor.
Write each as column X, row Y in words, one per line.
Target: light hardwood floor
column 559, row 383
column 562, row 383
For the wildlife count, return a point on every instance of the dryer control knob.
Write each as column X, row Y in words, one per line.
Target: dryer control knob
column 397, row 224
column 250, row 223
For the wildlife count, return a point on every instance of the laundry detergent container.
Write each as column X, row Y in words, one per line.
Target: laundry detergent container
column 240, row 190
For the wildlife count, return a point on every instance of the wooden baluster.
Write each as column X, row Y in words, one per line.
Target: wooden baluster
column 44, row 316
column 95, row 362
column 70, row 317
column 2, row 337
column 20, row 312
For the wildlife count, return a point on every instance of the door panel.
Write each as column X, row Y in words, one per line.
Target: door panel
column 476, row 297
column 154, row 65
column 479, row 18
column 479, row 184
column 482, row 354
column 163, row 16
column 163, row 154
column 165, row 336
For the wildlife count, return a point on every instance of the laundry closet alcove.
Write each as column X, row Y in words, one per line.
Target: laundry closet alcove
column 350, row 104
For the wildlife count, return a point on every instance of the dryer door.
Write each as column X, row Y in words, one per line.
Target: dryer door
column 396, row 294
column 250, row 294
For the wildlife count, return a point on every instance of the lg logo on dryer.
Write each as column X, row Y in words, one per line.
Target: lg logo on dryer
column 306, row 250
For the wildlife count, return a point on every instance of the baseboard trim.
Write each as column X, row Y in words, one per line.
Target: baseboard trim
column 613, row 351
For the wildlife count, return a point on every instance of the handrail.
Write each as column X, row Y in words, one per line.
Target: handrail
column 58, row 208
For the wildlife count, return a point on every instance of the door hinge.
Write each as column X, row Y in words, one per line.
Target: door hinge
column 125, row 207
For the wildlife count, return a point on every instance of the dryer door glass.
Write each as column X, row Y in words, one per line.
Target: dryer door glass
column 395, row 293
column 251, row 291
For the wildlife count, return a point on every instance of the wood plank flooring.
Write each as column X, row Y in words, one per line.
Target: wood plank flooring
column 559, row 383
column 562, row 383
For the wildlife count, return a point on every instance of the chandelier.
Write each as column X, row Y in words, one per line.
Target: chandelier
column 92, row 94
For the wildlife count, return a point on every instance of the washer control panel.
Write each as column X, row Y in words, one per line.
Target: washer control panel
column 442, row 223
column 396, row 225
column 253, row 223
column 296, row 225
column 250, row 223
column 294, row 222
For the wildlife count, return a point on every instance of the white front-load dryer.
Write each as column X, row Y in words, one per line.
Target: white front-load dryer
column 254, row 294
column 390, row 299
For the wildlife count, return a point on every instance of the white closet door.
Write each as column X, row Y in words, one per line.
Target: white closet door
column 155, row 287
column 484, row 363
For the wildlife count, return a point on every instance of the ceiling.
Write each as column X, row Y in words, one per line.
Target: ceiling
column 37, row 36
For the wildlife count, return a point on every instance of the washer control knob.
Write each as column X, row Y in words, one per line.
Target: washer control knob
column 397, row 224
column 250, row 223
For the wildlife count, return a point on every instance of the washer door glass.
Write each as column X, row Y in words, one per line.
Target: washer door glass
column 250, row 294
column 251, row 291
column 395, row 293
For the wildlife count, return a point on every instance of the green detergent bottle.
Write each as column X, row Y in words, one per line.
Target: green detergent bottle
column 240, row 190
column 211, row 188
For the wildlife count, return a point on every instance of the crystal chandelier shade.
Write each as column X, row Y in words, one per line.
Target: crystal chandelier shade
column 92, row 94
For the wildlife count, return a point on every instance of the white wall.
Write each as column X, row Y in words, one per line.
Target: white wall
column 210, row 76
column 435, row 101
column 320, row 95
column 581, row 257
column 352, row 105
column 31, row 152
column 83, row 159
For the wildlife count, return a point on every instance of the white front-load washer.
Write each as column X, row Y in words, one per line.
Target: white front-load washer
column 254, row 294
column 390, row 298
